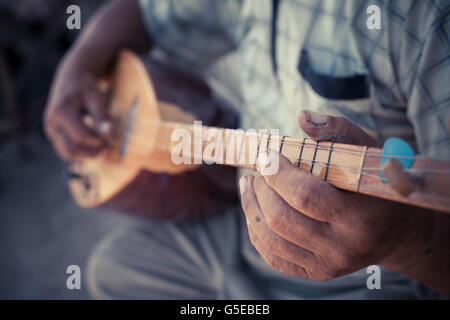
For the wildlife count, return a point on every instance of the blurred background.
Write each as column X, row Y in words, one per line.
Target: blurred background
column 42, row 231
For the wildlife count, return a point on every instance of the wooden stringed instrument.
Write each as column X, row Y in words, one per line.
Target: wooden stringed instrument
column 143, row 127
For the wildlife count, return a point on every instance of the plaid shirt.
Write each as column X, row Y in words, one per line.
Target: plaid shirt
column 320, row 55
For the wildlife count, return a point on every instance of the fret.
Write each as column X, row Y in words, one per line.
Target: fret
column 328, row 162
column 282, row 143
column 361, row 163
column 228, row 133
column 301, row 153
column 257, row 150
column 240, row 149
column 314, row 157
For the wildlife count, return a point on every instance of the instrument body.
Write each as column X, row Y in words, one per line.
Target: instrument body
column 143, row 130
column 136, row 183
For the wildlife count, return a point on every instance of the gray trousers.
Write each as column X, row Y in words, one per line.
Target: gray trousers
column 214, row 259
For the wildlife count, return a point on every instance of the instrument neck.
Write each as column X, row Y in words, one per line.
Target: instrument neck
column 336, row 163
column 348, row 167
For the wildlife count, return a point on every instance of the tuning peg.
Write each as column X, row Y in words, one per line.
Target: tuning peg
column 401, row 181
column 397, row 157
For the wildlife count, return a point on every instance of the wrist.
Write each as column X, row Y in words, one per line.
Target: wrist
column 83, row 60
column 409, row 252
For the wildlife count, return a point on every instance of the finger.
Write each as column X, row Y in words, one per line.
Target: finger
column 67, row 149
column 95, row 104
column 338, row 129
column 288, row 223
column 276, row 262
column 306, row 193
column 250, row 204
column 79, row 133
column 272, row 241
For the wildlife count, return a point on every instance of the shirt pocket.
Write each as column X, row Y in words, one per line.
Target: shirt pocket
column 349, row 96
column 348, row 88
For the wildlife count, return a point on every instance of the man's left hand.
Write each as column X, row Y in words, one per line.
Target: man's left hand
column 304, row 227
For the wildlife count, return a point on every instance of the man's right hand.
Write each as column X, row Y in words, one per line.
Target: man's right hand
column 74, row 96
column 74, row 91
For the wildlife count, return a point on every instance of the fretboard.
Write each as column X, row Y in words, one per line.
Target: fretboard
column 338, row 164
column 348, row 167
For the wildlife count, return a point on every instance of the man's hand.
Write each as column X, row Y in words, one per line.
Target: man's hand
column 304, row 227
column 74, row 92
column 73, row 97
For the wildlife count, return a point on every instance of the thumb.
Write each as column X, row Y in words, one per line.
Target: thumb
column 338, row 129
column 95, row 104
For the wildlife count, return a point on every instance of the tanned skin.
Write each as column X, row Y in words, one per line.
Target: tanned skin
column 117, row 25
column 300, row 225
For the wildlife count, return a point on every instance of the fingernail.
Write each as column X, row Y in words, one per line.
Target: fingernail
column 105, row 127
column 243, row 184
column 315, row 118
column 266, row 162
column 263, row 160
